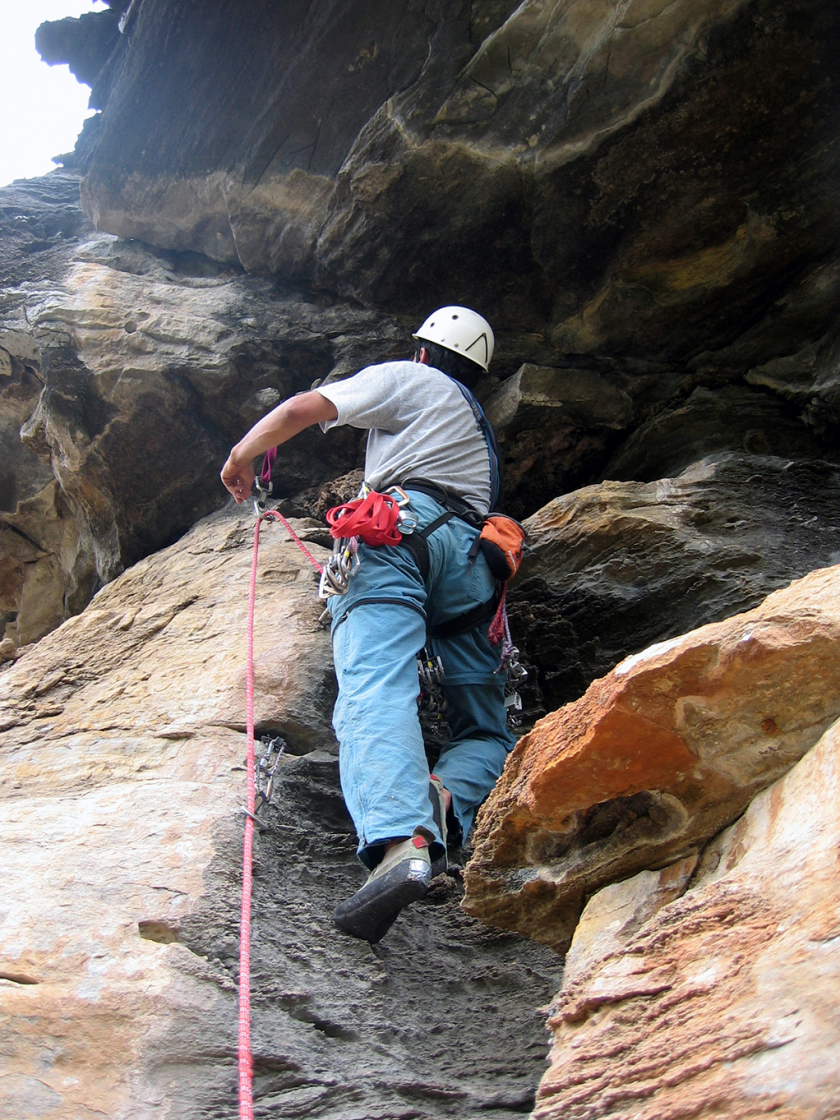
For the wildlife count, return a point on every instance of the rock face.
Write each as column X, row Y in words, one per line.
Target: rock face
column 122, row 778
column 640, row 178
column 125, row 377
column 656, row 758
column 642, row 197
column 127, row 373
column 720, row 998
column 618, row 566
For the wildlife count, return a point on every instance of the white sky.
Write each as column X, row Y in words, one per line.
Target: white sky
column 42, row 106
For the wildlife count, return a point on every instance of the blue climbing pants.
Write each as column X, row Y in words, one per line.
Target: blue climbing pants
column 378, row 629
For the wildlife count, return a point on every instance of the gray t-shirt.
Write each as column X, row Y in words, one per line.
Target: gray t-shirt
column 420, row 427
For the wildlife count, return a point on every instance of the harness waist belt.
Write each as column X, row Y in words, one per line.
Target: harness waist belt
column 447, row 499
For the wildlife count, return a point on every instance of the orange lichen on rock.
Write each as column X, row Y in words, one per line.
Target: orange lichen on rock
column 720, row 1000
column 657, row 757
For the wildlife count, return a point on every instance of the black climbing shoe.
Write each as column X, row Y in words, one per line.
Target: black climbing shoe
column 401, row 878
column 436, row 797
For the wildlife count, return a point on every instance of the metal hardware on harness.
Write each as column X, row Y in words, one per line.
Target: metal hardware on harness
column 267, row 768
column 264, row 493
column 406, row 519
column 345, row 562
column 335, row 577
column 431, row 702
column 515, row 674
column 431, row 673
column 406, row 522
column 396, row 492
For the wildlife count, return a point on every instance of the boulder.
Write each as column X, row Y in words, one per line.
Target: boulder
column 555, row 427
column 620, row 565
column 712, row 993
column 710, row 421
column 122, row 777
column 655, row 759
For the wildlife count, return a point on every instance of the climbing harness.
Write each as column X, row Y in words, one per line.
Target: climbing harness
column 387, row 519
column 268, row 768
column 372, row 518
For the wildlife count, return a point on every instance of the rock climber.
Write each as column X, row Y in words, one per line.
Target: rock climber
column 424, row 437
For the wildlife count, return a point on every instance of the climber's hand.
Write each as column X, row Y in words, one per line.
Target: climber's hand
column 238, row 478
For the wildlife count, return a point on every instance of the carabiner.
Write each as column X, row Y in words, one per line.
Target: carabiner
column 264, row 493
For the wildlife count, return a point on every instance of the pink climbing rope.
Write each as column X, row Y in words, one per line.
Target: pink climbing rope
column 245, row 1059
column 273, row 515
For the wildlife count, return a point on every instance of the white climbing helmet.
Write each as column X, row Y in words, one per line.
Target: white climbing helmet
column 463, row 331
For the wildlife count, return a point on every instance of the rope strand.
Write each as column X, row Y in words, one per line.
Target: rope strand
column 245, row 1059
column 275, row 516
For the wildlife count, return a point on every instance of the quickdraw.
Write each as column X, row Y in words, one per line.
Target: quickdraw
column 336, row 573
column 509, row 664
column 267, row 768
column 431, row 701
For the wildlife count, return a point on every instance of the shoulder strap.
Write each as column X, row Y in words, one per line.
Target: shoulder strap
column 486, row 429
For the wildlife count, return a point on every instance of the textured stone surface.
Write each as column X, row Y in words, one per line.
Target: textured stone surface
column 556, row 427
column 126, row 373
column 656, row 758
column 121, row 777
column 640, row 178
column 642, row 196
column 125, row 377
column 618, row 566
column 726, row 418
column 721, row 1002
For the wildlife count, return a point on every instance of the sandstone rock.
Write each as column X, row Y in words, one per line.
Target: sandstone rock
column 128, row 373
column 646, row 180
column 125, row 377
column 788, row 351
column 122, row 778
column 709, row 421
column 619, row 566
column 47, row 567
column 553, row 427
column 722, row 1001
column 656, row 758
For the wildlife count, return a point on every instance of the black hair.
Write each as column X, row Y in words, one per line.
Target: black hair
column 447, row 361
